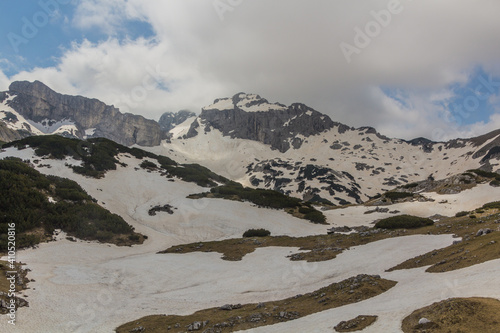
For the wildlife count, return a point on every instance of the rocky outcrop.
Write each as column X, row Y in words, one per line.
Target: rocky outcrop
column 37, row 102
column 426, row 144
column 247, row 116
column 169, row 120
column 7, row 134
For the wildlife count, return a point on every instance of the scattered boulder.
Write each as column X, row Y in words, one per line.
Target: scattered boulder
column 482, row 232
column 339, row 229
column 229, row 307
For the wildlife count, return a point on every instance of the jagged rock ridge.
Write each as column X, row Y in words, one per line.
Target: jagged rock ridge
column 248, row 116
column 78, row 116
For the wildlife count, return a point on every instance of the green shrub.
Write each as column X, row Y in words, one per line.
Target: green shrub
column 256, row 233
column 103, row 236
column 148, row 165
column 134, row 237
column 472, row 216
column 22, row 202
column 315, row 217
column 403, row 222
column 495, row 182
column 306, row 210
column 267, row 198
column 479, row 211
column 410, row 185
column 462, row 213
column 492, row 205
column 397, row 195
column 99, row 155
column 485, row 174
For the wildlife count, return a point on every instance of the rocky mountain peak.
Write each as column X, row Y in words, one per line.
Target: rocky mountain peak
column 77, row 116
column 245, row 102
column 169, row 120
column 251, row 117
column 35, row 89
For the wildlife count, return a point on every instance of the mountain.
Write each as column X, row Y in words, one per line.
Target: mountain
column 194, row 268
column 169, row 120
column 32, row 108
column 188, row 265
column 303, row 153
column 248, row 116
column 293, row 149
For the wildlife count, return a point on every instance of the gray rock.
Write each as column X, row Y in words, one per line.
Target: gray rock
column 36, row 101
column 482, row 232
column 169, row 120
column 277, row 128
column 423, row 321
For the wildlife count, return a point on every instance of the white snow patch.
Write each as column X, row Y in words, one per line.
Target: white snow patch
column 182, row 128
column 48, row 126
column 221, row 104
column 89, row 132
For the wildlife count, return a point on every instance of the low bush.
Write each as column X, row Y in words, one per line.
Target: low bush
column 397, row 195
column 485, row 174
column 492, row 205
column 256, row 233
column 148, row 165
column 403, row 222
column 472, row 216
column 99, row 155
column 410, row 185
column 495, row 182
column 315, row 217
column 462, row 213
column 23, row 201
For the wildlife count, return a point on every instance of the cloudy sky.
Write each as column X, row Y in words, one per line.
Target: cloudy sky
column 409, row 68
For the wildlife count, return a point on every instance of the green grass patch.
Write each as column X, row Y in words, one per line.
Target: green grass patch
column 231, row 318
column 462, row 213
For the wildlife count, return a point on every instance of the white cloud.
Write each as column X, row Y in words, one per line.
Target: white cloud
column 287, row 51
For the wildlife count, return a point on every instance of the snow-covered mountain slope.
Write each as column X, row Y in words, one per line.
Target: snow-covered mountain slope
column 293, row 149
column 92, row 287
column 339, row 164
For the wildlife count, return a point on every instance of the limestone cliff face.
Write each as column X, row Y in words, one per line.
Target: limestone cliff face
column 37, row 102
column 7, row 134
column 247, row 116
column 169, row 120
